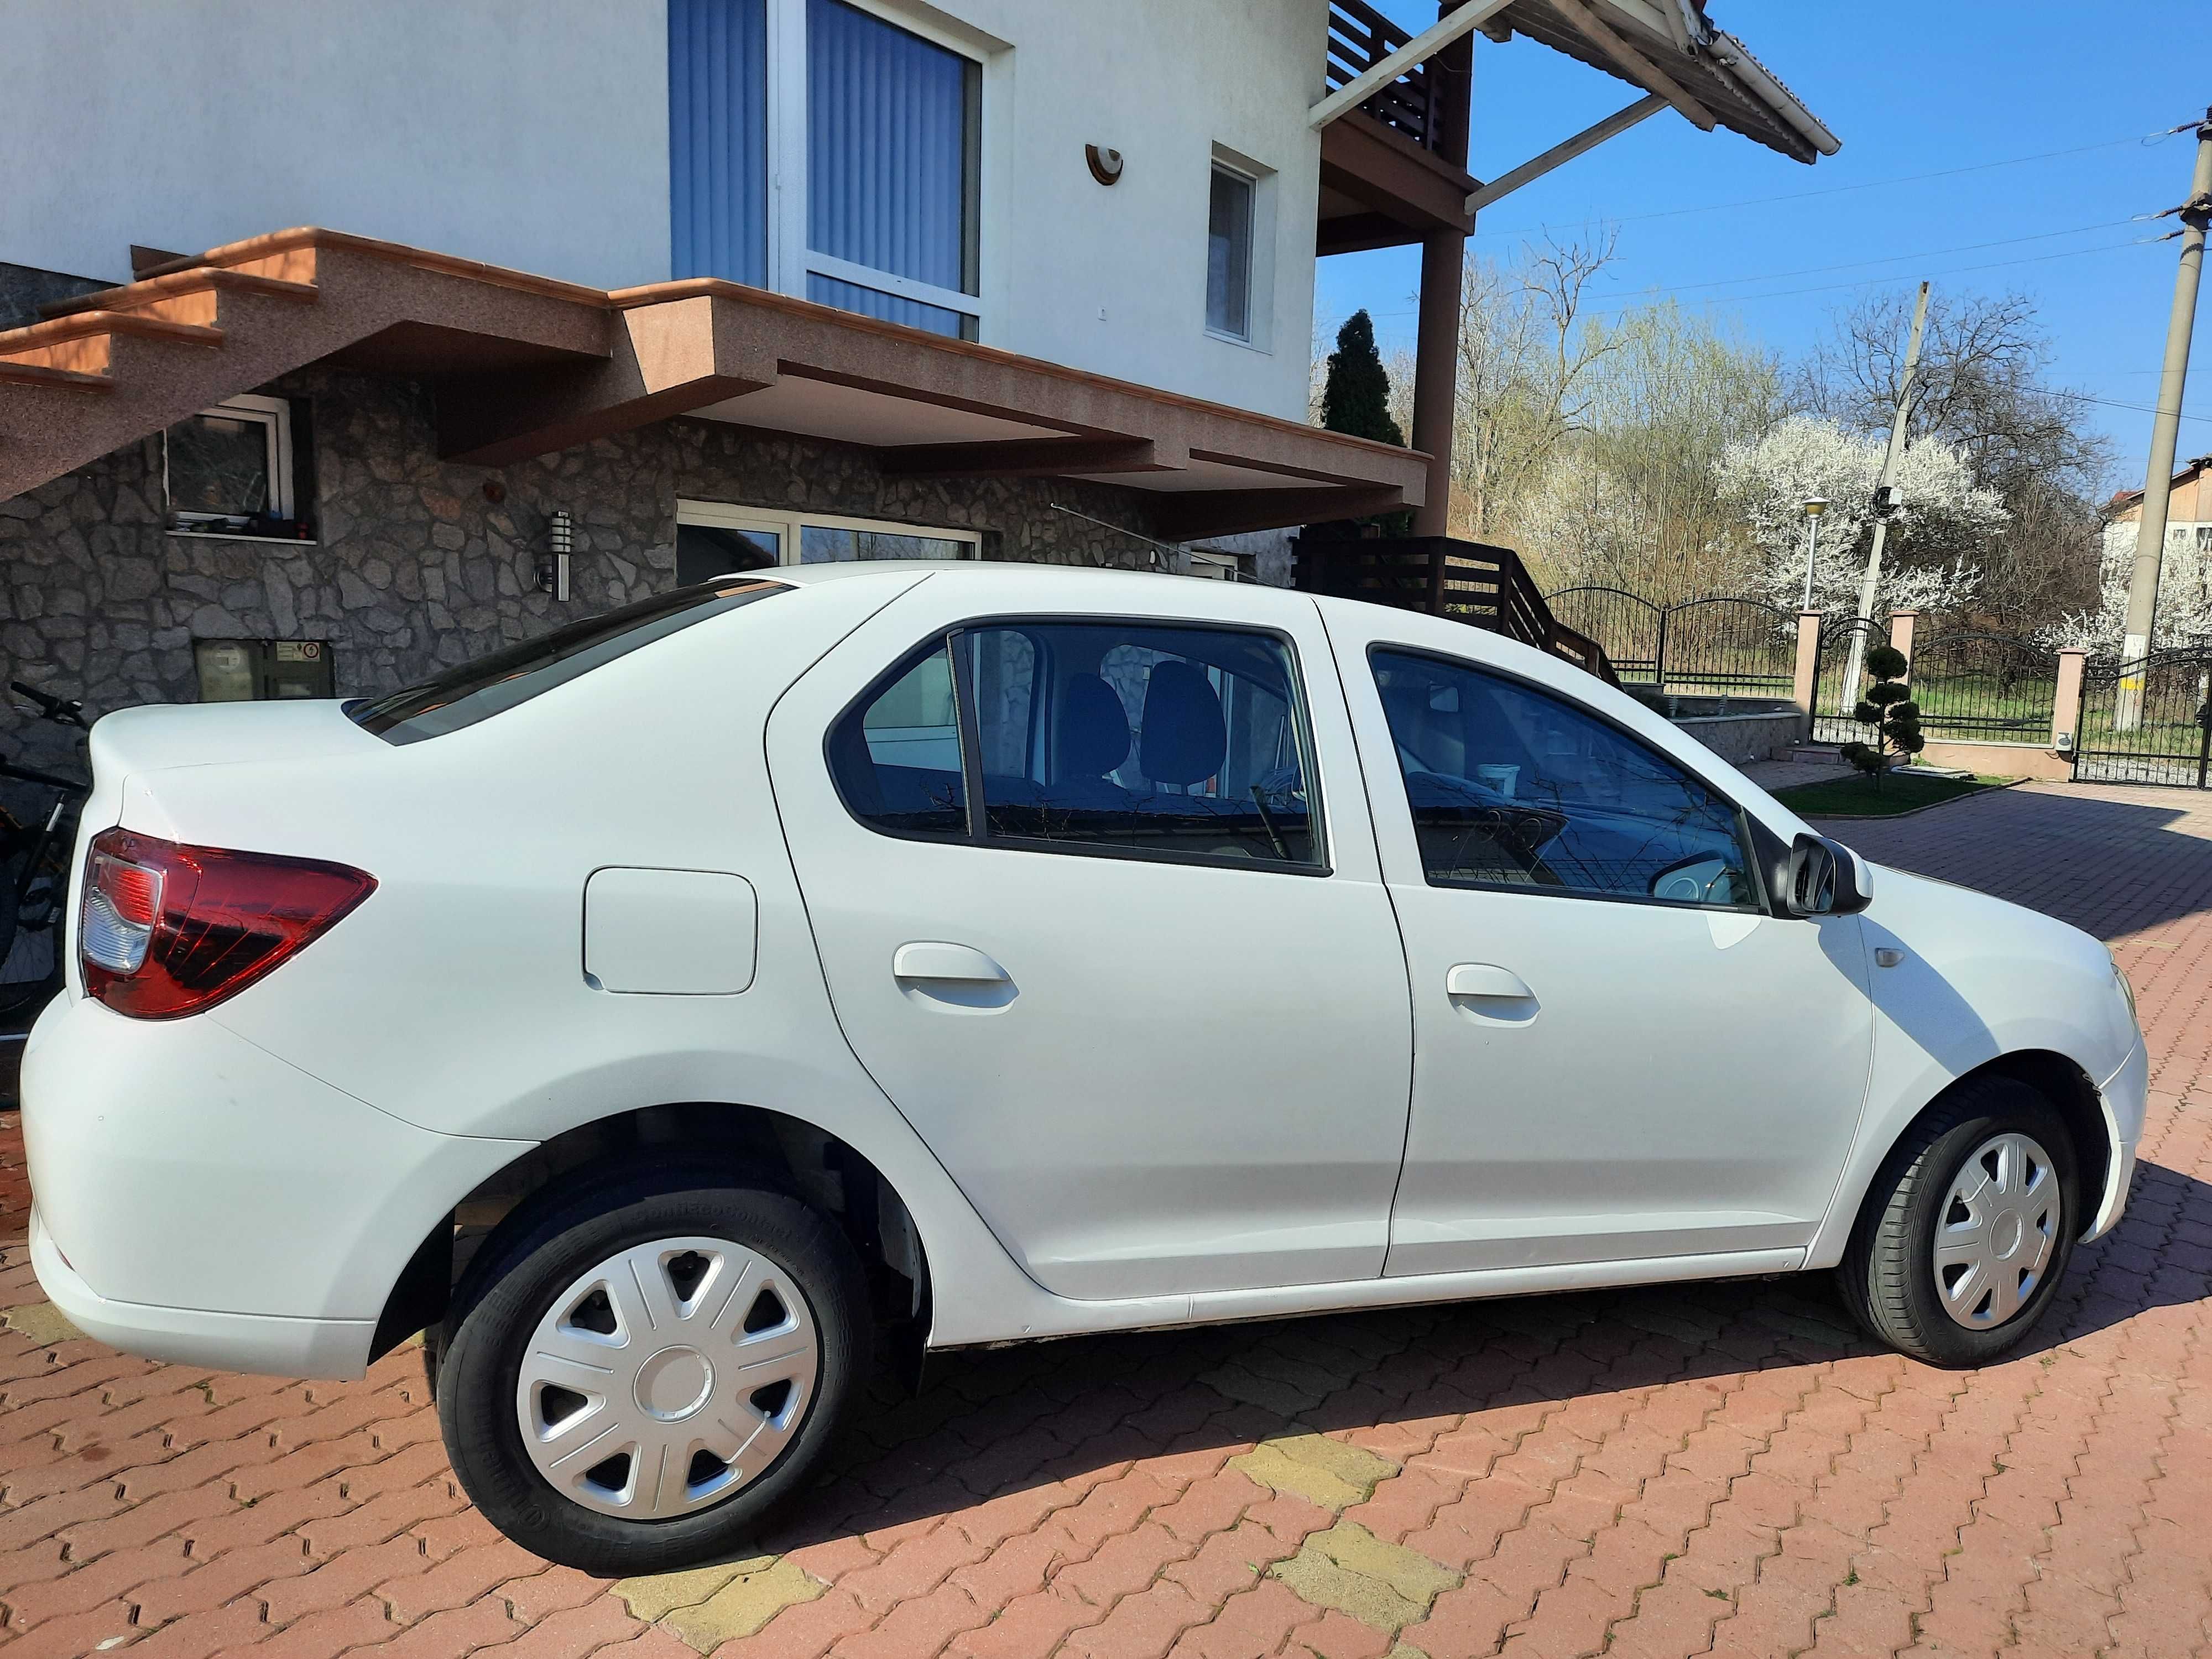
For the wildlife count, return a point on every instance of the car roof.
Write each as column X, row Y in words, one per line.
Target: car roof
column 996, row 570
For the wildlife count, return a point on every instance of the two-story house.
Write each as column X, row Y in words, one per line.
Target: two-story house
column 626, row 293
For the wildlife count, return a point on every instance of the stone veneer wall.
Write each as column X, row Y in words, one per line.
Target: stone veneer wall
column 413, row 568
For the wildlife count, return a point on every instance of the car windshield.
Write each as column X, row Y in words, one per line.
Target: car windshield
column 477, row 690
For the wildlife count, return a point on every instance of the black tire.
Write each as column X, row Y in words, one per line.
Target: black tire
column 475, row 1360
column 1887, row 1277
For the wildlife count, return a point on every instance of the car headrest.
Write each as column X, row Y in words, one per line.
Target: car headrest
column 1094, row 728
column 1183, row 739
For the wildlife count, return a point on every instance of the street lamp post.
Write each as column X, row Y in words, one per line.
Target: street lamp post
column 1814, row 507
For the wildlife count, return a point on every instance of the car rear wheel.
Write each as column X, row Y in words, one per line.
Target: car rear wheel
column 1968, row 1227
column 636, row 1378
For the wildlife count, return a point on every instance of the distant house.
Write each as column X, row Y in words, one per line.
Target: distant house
column 2188, row 512
column 628, row 294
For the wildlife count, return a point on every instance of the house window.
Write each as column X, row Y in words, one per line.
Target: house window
column 713, row 538
column 879, row 214
column 1229, row 255
column 235, row 469
column 892, row 124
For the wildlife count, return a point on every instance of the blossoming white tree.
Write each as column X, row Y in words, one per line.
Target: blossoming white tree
column 2184, row 593
column 1935, row 541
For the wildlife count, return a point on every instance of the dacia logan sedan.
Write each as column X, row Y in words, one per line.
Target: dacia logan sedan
column 673, row 1013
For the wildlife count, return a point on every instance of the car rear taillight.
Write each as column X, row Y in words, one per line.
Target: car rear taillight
column 168, row 929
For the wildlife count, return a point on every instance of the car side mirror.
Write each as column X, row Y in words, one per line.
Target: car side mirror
column 1821, row 879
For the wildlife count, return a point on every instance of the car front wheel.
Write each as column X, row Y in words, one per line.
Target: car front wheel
column 640, row 1375
column 1968, row 1228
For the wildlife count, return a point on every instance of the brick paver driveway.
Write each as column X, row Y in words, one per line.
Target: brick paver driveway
column 1728, row 1468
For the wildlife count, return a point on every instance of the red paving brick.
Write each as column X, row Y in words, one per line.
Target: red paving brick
column 1728, row 1470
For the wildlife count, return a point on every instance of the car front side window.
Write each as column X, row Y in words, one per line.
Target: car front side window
column 1513, row 788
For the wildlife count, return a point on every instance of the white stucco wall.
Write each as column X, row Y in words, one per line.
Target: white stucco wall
column 1164, row 81
column 533, row 135
column 536, row 135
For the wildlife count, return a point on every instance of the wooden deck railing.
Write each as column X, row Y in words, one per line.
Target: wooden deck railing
column 1441, row 576
column 1360, row 37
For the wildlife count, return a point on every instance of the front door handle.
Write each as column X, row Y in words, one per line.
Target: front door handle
column 935, row 960
column 1483, row 979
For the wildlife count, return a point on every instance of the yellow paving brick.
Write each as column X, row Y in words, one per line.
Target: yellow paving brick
column 1350, row 1569
column 743, row 1606
column 657, row 1593
column 41, row 1321
column 1316, row 1469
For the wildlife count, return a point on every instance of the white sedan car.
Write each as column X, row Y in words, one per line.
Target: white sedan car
column 675, row 1010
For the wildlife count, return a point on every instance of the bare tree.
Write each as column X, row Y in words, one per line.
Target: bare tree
column 1525, row 359
column 1984, row 392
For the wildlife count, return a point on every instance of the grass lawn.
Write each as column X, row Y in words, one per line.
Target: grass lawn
column 1863, row 797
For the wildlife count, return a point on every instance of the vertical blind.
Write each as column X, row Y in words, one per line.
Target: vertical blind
column 718, row 139
column 889, row 147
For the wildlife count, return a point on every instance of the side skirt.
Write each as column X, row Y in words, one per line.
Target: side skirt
column 1074, row 1318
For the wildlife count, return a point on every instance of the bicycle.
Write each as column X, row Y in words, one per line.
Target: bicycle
column 34, row 870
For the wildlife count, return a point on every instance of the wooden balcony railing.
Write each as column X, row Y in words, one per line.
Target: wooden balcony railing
column 1441, row 576
column 1360, row 37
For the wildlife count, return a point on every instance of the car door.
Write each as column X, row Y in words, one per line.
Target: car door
column 1147, row 1003
column 1620, row 1055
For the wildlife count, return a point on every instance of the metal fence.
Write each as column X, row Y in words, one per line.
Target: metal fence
column 1983, row 688
column 1831, row 706
column 2147, row 721
column 1714, row 648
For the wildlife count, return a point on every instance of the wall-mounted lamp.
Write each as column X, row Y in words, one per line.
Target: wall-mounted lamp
column 560, row 542
column 1105, row 164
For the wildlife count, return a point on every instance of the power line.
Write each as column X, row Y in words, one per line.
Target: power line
column 1894, row 259
column 1879, row 259
column 1838, row 190
column 2140, row 409
column 1873, row 281
column 1646, row 295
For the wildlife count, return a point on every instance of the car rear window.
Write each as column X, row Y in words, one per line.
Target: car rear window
column 477, row 690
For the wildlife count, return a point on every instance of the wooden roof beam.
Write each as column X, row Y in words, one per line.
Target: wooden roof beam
column 1632, row 62
column 1559, row 154
column 1431, row 40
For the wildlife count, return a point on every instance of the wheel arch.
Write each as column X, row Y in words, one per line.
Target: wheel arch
column 783, row 1151
column 2058, row 1078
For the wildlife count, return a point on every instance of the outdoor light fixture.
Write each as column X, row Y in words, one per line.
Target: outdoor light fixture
column 560, row 542
column 1814, row 507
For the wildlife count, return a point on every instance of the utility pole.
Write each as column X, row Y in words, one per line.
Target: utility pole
column 2165, row 433
column 1884, row 505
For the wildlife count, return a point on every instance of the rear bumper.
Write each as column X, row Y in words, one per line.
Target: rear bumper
column 198, row 1198
column 190, row 1336
column 2122, row 1098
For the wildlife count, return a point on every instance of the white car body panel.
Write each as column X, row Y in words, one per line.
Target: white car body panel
column 1200, row 1080
column 243, row 1186
column 1640, row 1103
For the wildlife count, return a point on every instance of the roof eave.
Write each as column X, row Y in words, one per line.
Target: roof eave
column 1736, row 58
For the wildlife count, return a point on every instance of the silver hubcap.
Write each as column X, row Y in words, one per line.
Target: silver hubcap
column 667, row 1377
column 1999, row 1228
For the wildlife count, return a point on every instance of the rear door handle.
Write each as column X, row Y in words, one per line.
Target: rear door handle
column 1483, row 979
column 935, row 960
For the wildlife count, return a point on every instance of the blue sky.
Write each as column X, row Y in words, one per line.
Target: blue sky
column 1911, row 89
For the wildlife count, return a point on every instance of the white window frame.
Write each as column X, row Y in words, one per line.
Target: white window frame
column 275, row 416
column 788, row 526
column 1260, row 260
column 790, row 260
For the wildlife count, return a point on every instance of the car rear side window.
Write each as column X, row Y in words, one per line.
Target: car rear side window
column 1132, row 738
column 896, row 755
column 1512, row 787
column 491, row 684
